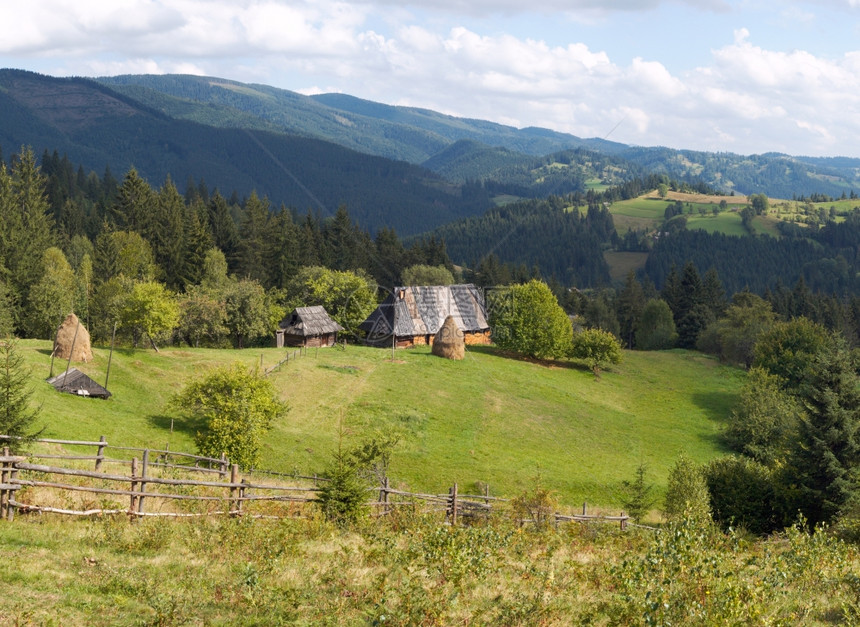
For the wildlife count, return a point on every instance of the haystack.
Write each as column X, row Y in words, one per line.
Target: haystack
column 449, row 341
column 82, row 350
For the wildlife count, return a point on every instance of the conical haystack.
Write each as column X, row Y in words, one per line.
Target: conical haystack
column 449, row 341
column 81, row 351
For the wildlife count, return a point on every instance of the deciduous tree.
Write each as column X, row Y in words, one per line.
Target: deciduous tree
column 597, row 348
column 231, row 408
column 532, row 322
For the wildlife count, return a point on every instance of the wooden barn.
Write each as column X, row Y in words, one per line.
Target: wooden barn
column 309, row 327
column 74, row 381
column 416, row 313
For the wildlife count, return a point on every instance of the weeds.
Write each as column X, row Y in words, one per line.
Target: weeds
column 411, row 569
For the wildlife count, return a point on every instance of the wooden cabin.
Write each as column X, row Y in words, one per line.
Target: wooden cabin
column 309, row 327
column 416, row 313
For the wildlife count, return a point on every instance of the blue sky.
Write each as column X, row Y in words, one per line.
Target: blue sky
column 744, row 76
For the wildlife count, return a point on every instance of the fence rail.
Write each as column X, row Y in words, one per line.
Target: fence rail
column 151, row 494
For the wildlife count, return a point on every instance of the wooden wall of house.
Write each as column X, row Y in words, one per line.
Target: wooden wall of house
column 314, row 341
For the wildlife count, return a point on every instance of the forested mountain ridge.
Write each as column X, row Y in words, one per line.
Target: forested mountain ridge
column 96, row 127
column 205, row 127
column 423, row 136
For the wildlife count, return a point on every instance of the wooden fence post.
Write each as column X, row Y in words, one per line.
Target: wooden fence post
column 623, row 522
column 243, row 491
column 10, row 509
column 234, row 491
column 223, row 472
column 100, row 454
column 453, row 493
column 5, row 494
column 383, row 496
column 584, row 508
column 133, row 504
column 144, row 473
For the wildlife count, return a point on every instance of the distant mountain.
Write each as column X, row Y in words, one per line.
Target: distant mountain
column 332, row 149
column 492, row 153
column 97, row 126
column 406, row 133
column 528, row 176
column 777, row 175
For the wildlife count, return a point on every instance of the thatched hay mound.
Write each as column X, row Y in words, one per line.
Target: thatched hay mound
column 82, row 350
column 449, row 341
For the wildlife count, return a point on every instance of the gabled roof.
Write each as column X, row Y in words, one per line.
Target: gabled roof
column 309, row 321
column 421, row 310
column 76, row 382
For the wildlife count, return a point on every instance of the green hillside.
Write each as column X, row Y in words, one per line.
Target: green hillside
column 488, row 419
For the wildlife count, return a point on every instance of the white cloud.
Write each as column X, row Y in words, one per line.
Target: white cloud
column 744, row 96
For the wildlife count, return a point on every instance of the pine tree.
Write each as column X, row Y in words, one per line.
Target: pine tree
column 824, row 464
column 631, row 302
column 253, row 236
column 16, row 414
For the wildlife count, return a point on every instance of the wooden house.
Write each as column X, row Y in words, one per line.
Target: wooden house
column 415, row 314
column 309, row 327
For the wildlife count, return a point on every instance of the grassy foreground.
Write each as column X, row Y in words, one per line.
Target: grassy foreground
column 488, row 420
column 414, row 571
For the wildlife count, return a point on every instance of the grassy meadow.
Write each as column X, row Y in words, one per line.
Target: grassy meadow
column 489, row 419
column 411, row 570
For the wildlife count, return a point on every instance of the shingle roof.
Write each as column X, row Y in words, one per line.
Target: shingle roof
column 76, row 382
column 421, row 310
column 309, row 321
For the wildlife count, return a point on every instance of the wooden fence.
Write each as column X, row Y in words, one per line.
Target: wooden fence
column 157, row 485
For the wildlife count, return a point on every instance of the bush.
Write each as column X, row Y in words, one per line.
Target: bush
column 741, row 494
column 764, row 420
column 537, row 505
column 596, row 348
column 687, row 493
column 232, row 407
column 532, row 323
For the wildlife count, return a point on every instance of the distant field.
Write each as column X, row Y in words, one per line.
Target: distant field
column 505, row 199
column 596, row 185
column 642, row 207
column 727, row 222
column 486, row 419
column 621, row 263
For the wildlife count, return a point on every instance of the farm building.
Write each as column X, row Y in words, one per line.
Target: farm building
column 308, row 326
column 416, row 314
column 74, row 381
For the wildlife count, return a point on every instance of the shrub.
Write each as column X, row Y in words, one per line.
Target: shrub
column 597, row 348
column 233, row 407
column 687, row 493
column 537, row 505
column 741, row 494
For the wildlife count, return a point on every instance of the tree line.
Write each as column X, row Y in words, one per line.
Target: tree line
column 155, row 261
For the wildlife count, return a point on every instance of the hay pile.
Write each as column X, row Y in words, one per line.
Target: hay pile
column 449, row 341
column 66, row 336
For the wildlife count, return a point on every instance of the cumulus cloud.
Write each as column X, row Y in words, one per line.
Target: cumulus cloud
column 744, row 97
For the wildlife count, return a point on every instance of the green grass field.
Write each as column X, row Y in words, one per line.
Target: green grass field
column 621, row 263
column 727, row 222
column 489, row 418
